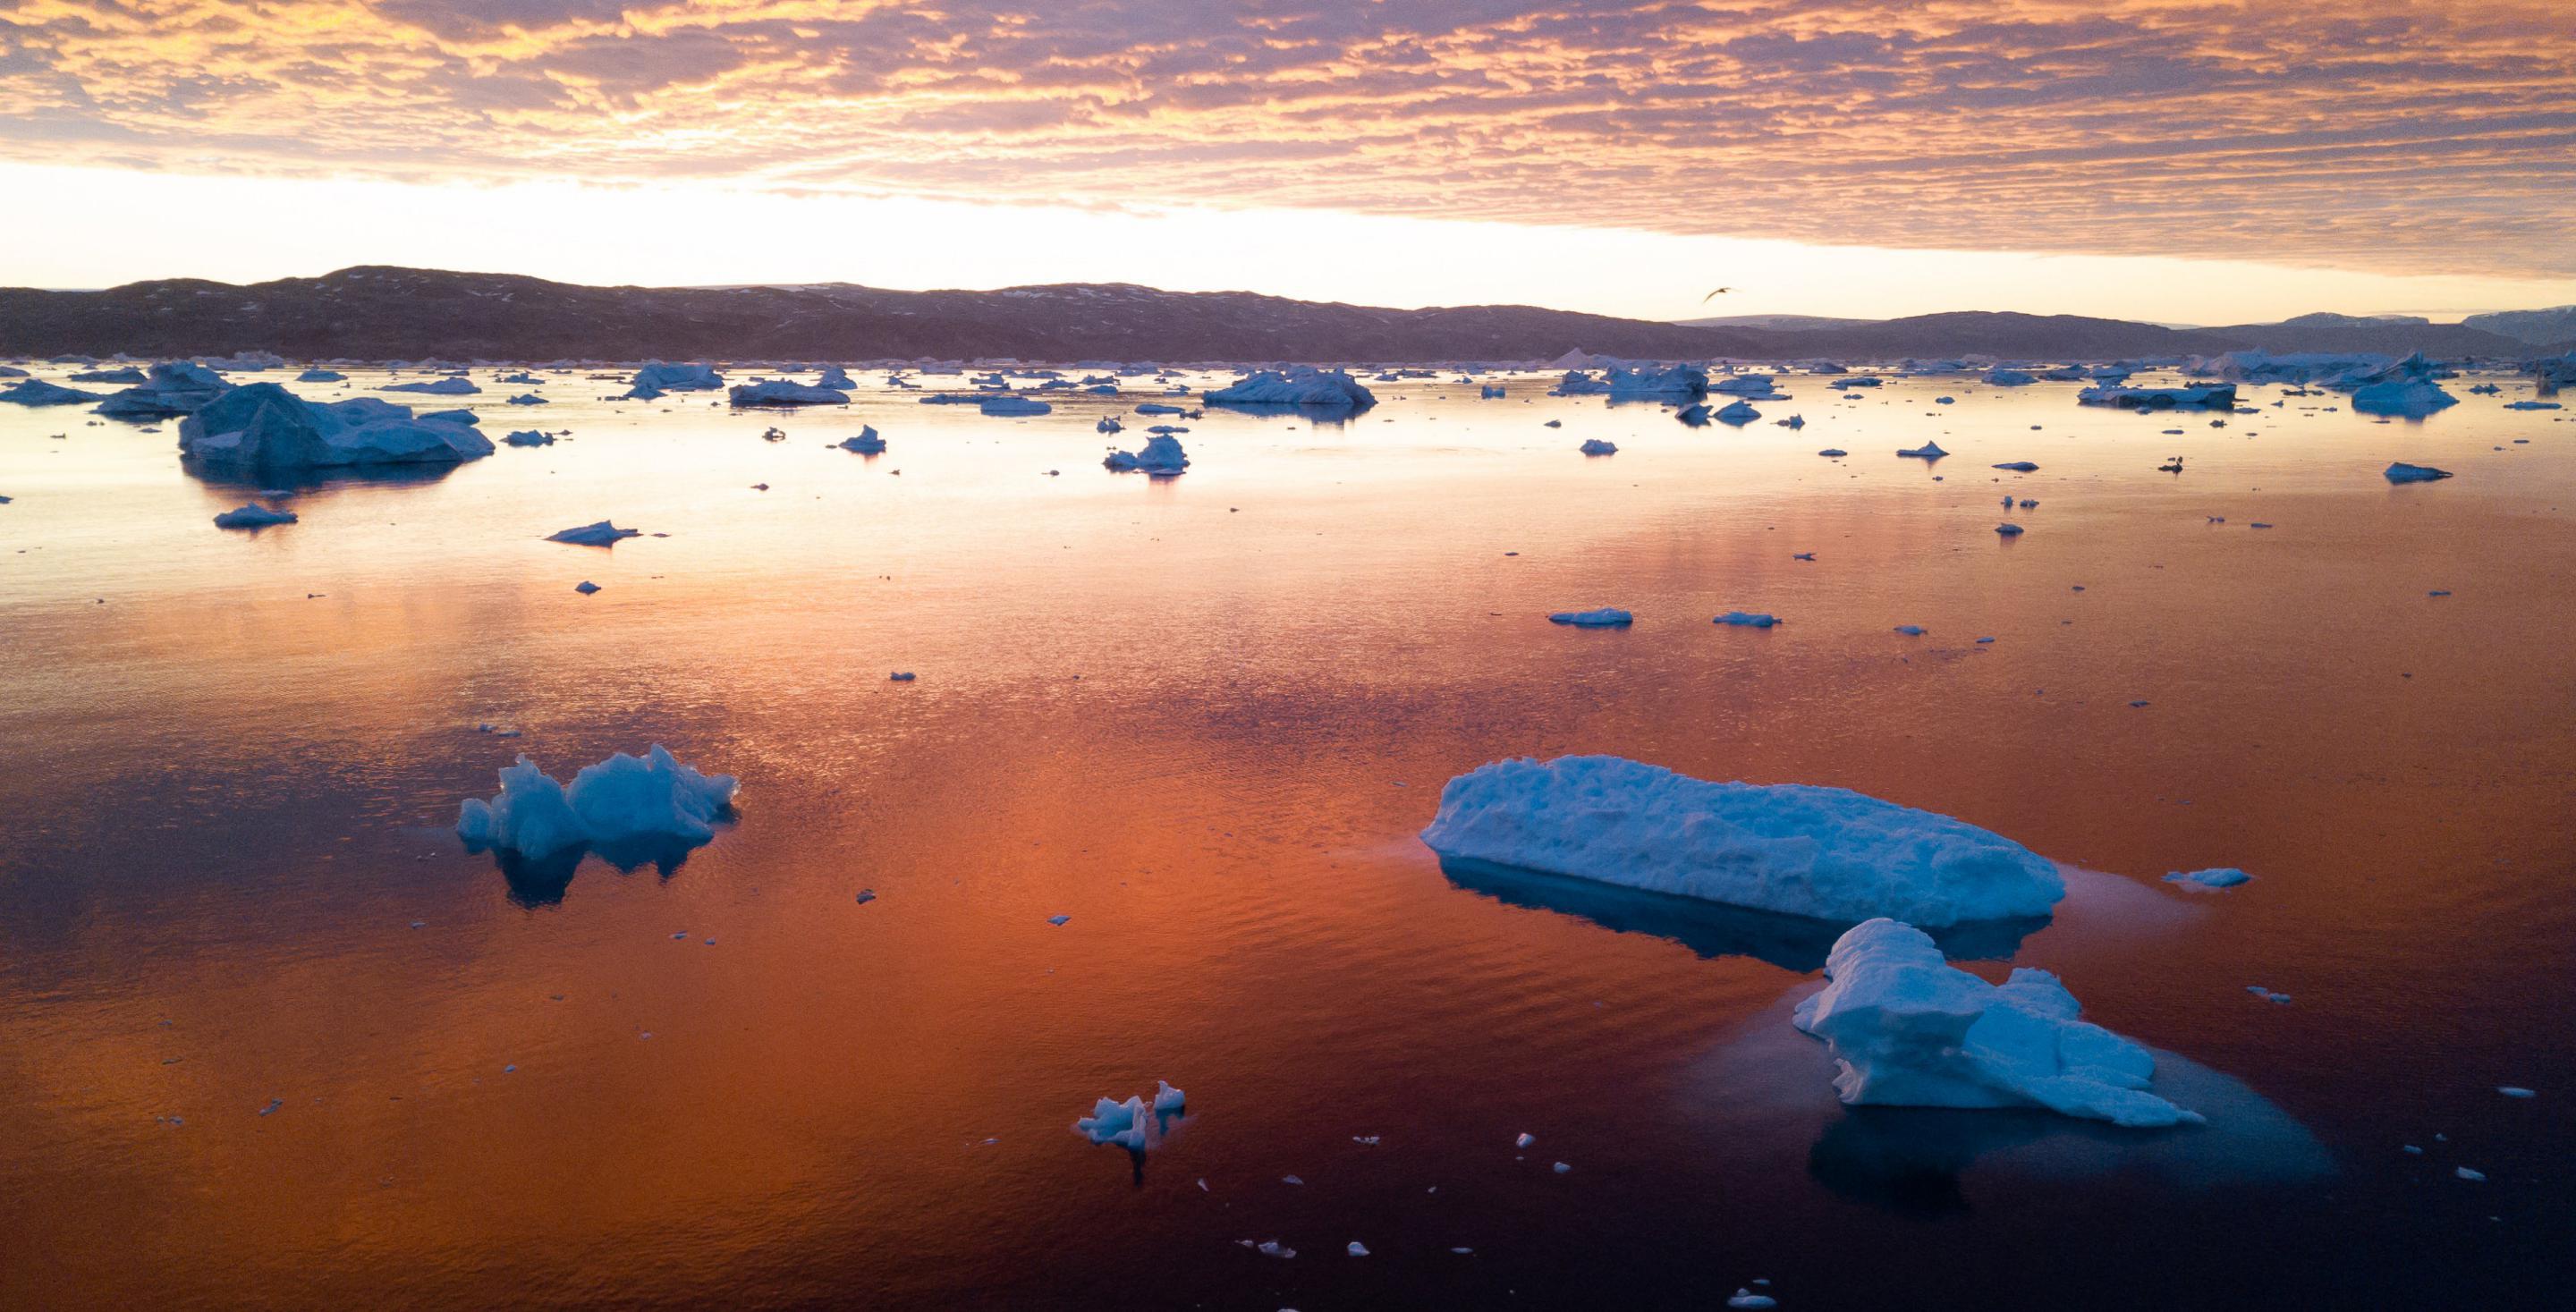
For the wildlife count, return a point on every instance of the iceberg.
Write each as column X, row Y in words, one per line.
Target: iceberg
column 253, row 515
column 656, row 378
column 36, row 391
column 527, row 398
column 1135, row 1124
column 2294, row 367
column 1578, row 383
column 264, row 425
column 1607, row 617
column 601, row 534
column 623, row 798
column 1593, row 446
column 2210, row 396
column 2401, row 472
column 1000, row 406
column 2008, row 378
column 1857, row 380
column 321, row 376
column 1906, row 1029
column 120, row 374
column 1753, row 385
column 2215, row 877
column 529, row 437
column 1737, row 414
column 1823, row 853
column 1681, row 381
column 1927, row 451
column 2009, row 530
column 783, row 392
column 442, row 387
column 1749, row 619
column 2406, row 398
column 836, row 378
column 1161, row 454
column 2018, row 466
column 1302, row 386
column 172, row 389
column 867, row 443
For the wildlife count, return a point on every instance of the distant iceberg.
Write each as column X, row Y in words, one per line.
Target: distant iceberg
column 2401, row 472
column 2210, row 396
column 1607, row 617
column 1738, row 414
column 1684, row 382
column 623, row 798
column 1757, row 386
column 1907, row 1029
column 1302, row 386
column 442, row 387
column 264, row 425
column 656, row 378
column 867, row 443
column 2405, row 398
column 602, row 534
column 172, row 389
column 1593, row 446
column 2008, row 378
column 1134, row 1124
column 253, row 515
column 783, row 392
column 529, row 437
column 1000, row 406
column 37, row 392
column 321, row 376
column 1824, row 853
column 2295, row 367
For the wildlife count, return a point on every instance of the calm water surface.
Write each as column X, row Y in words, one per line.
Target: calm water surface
column 1204, row 718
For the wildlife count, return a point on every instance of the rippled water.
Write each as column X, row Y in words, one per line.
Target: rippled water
column 1204, row 718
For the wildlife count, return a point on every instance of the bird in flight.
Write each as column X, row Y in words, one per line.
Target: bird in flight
column 1715, row 294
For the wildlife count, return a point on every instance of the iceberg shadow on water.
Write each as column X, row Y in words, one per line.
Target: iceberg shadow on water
column 1712, row 929
column 543, row 881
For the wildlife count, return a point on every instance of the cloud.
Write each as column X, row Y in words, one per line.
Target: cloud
column 2432, row 137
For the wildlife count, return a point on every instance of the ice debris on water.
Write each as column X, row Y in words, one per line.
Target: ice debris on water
column 2213, row 878
column 602, row 534
column 1606, row 617
column 253, row 515
column 1134, row 1124
column 1750, row 619
column 2402, row 472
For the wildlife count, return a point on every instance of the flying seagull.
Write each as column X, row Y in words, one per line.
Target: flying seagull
column 1715, row 294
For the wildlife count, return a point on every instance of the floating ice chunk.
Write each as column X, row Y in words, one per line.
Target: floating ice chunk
column 1826, row 853
column 2009, row 530
column 1358, row 1249
column 2267, row 995
column 602, row 534
column 1302, row 386
column 867, row 443
column 1273, row 1248
column 1757, row 385
column 2464, row 1173
column 836, row 378
column 1857, row 380
column 1525, row 1140
column 1161, row 454
column 1682, row 381
column 1158, row 408
column 1749, row 619
column 38, row 392
column 1121, row 1123
column 1562, row 1168
column 174, row 388
column 783, row 392
column 265, row 426
column 1906, row 1029
column 1738, row 414
column 528, row 398
column 1108, row 426
column 2215, row 877
column 1746, row 1298
column 1167, row 1098
column 1058, row 920
column 2008, row 378
column 1833, row 453
column 2531, row 405
column 1004, row 406
column 253, row 515
column 1604, row 618
column 621, row 798
column 656, row 378
column 585, row 587
column 2214, row 395
column 1927, row 451
column 2401, row 472
column 1910, row 630
column 1794, row 422
column 1593, row 446
column 529, row 437
column 321, row 376
column 1694, row 415
column 441, row 387
column 2019, row 466
column 2410, row 398
column 902, row 676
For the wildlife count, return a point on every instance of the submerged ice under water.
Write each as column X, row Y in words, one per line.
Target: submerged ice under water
column 274, row 1035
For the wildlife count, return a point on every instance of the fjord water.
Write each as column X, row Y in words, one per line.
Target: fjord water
column 1204, row 718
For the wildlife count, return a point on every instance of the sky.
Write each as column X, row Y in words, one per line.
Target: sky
column 2180, row 162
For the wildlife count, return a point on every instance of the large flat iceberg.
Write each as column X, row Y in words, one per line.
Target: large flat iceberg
column 1907, row 1030
column 621, row 799
column 1302, row 386
column 1824, row 853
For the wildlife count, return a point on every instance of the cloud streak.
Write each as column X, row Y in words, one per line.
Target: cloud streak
column 2433, row 137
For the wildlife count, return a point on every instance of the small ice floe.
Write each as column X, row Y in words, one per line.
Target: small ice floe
column 1694, row 415
column 2216, row 877
column 1833, row 453
column 2514, row 1091
column 867, row 895
column 601, row 534
column 901, row 676
column 2009, row 530
column 1607, row 617
column 1750, row 619
column 1108, row 426
column 2019, row 466
column 1525, row 1140
column 1907, row 1029
column 1369, row 1140
column 1356, row 1248
column 1005, row 406
column 585, row 587
column 867, row 443
column 2404, row 398
column 1161, row 455
column 2528, row 405
column 527, row 398
column 1330, row 389
column 2008, row 378
column 1562, row 1168
column 1290, row 1179
column 321, row 376
column 1273, row 1248
column 2220, row 396
column 1158, row 408
column 529, row 437
column 2473, row 1177
column 273, row 1105
column 1746, row 1298
column 1910, row 630
column 1133, row 1125
column 1794, row 422
column 1058, row 920
column 2401, row 472
column 253, row 515
column 621, row 798
column 656, row 378
column 38, row 392
column 1737, row 414
column 769, row 392
column 442, row 387
column 1803, row 555
column 1945, row 400
column 1824, row 853
column 1927, row 451
column 1593, row 446
column 2267, row 995
column 2028, row 503
column 1554, row 423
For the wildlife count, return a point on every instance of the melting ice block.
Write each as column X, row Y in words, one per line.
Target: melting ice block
column 1824, row 853
column 1908, row 1030
column 621, row 798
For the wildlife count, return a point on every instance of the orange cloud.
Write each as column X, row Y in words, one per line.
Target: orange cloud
column 2421, row 138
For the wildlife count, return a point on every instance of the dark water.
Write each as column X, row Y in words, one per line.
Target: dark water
column 1204, row 718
